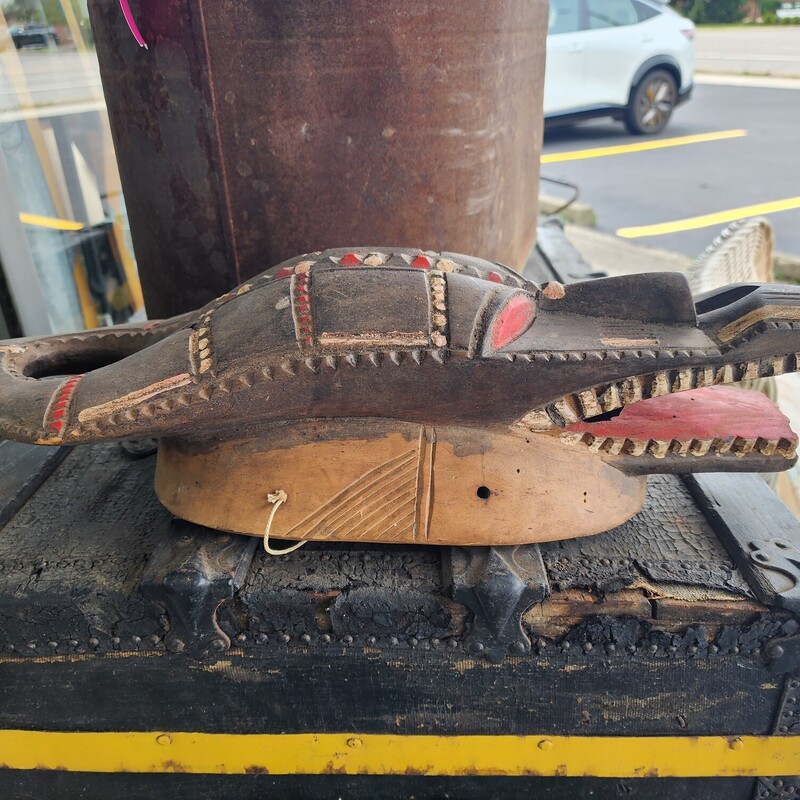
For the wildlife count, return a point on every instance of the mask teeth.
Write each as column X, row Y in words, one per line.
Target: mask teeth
column 566, row 410
column 538, row 421
column 609, row 397
column 743, row 447
column 684, row 380
column 704, row 377
column 722, row 446
column 766, row 447
column 681, row 447
column 632, row 391
column 686, row 448
column 590, row 406
column 700, row 447
column 658, row 448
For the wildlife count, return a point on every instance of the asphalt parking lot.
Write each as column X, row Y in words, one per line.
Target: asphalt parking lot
column 732, row 151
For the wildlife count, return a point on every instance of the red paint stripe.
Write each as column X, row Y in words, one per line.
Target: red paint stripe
column 421, row 262
column 494, row 277
column 58, row 410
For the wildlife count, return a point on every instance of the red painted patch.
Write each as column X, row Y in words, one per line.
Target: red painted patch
column 513, row 320
column 494, row 277
column 55, row 421
column 349, row 260
column 708, row 413
column 421, row 262
column 284, row 272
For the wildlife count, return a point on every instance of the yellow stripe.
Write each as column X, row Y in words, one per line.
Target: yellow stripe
column 50, row 222
column 707, row 220
column 639, row 147
column 385, row 754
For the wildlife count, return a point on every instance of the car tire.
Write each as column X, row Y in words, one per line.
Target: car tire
column 652, row 102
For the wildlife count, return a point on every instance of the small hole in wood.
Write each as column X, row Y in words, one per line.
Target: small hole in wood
column 483, row 492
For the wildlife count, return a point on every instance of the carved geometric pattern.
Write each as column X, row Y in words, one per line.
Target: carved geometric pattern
column 381, row 504
column 438, row 308
column 302, row 311
column 200, row 345
column 57, row 413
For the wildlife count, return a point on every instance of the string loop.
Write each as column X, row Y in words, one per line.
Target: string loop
column 277, row 498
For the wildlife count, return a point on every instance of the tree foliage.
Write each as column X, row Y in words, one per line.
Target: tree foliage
column 700, row 11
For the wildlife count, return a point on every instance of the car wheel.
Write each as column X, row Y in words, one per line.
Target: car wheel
column 652, row 102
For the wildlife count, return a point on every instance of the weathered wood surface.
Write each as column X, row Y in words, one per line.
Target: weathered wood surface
column 765, row 547
column 34, row 786
column 321, row 126
column 291, row 687
column 23, row 469
column 70, row 576
column 392, row 482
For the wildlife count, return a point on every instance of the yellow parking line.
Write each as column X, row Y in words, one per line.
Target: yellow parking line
column 50, row 222
column 638, row 147
column 706, row 220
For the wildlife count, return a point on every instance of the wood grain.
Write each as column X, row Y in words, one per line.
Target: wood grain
column 389, row 481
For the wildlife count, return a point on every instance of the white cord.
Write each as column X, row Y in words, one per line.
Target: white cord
column 277, row 499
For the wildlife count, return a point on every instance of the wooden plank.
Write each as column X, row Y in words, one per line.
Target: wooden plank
column 758, row 531
column 561, row 259
column 23, row 469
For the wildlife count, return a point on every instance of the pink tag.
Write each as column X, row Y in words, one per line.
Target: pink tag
column 126, row 12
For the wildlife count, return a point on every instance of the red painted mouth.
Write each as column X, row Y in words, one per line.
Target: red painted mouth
column 707, row 415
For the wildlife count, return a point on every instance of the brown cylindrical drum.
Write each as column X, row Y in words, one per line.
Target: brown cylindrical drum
column 254, row 130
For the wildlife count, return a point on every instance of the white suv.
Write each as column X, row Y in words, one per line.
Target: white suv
column 629, row 59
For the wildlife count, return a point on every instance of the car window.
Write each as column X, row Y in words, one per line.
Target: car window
column 610, row 13
column 644, row 11
column 563, row 16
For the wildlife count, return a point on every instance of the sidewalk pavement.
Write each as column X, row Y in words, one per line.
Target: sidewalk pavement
column 614, row 256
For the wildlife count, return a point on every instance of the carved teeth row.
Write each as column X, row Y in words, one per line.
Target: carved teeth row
column 760, row 328
column 613, row 355
column 659, row 448
column 609, row 397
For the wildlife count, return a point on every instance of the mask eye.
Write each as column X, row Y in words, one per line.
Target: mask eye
column 513, row 319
